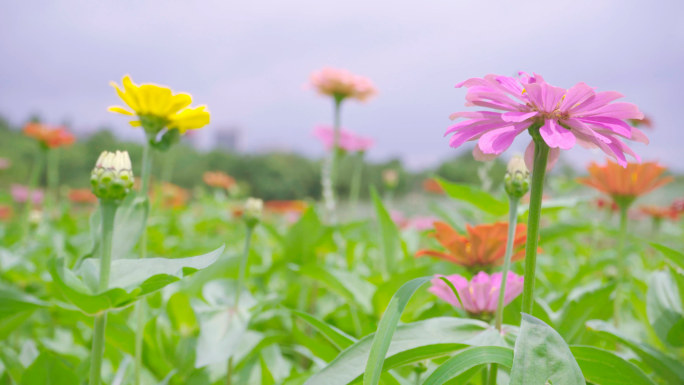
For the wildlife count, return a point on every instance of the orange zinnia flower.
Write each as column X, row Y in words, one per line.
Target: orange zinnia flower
column 82, row 195
column 432, row 186
column 285, row 207
column 483, row 246
column 218, row 179
column 625, row 184
column 50, row 137
column 657, row 212
column 170, row 195
column 5, row 212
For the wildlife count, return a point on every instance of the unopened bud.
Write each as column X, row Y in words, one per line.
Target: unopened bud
column 253, row 210
column 517, row 179
column 391, row 178
column 112, row 177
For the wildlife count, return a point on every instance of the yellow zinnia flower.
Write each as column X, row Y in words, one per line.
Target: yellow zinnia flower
column 157, row 104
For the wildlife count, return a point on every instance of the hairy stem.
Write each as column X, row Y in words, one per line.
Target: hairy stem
column 541, row 155
column 329, row 172
column 108, row 211
column 243, row 265
column 139, row 308
column 512, row 223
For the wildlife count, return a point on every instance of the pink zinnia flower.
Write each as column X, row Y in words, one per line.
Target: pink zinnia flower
column 565, row 117
column 20, row 194
column 342, row 84
column 481, row 294
column 417, row 223
column 348, row 140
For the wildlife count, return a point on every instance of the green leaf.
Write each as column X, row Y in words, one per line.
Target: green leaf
column 542, row 355
column 350, row 286
column 469, row 358
column 602, row 367
column 129, row 225
column 476, row 197
column 437, row 335
column 336, row 336
column 668, row 368
column 49, row 369
column 583, row 303
column 182, row 315
column 130, row 279
column 16, row 308
column 388, row 323
column 664, row 308
column 304, row 236
column 390, row 239
column 676, row 258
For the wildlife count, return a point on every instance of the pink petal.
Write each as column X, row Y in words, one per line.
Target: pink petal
column 518, row 116
column 556, row 136
column 498, row 140
column 481, row 156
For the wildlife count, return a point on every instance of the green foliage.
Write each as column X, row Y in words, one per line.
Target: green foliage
column 541, row 355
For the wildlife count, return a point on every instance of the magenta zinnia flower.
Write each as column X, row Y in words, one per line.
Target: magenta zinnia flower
column 348, row 140
column 481, row 294
column 564, row 117
column 20, row 194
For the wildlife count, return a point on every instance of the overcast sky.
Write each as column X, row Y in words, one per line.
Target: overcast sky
column 249, row 62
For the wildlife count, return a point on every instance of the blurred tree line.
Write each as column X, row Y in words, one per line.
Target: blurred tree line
column 273, row 175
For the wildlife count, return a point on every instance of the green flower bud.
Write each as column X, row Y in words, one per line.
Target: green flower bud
column 253, row 210
column 112, row 177
column 517, row 179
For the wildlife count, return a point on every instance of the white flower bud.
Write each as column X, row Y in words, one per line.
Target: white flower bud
column 517, row 179
column 112, row 178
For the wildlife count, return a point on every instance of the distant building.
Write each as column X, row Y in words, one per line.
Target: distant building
column 227, row 138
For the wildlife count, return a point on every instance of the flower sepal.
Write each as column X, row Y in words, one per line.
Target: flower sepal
column 112, row 178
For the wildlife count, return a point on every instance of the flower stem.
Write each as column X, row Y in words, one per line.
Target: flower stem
column 329, row 173
column 541, row 155
column 512, row 223
column 139, row 308
column 108, row 211
column 32, row 184
column 53, row 175
column 355, row 187
column 243, row 265
column 622, row 267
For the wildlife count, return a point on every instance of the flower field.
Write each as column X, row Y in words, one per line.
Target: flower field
column 538, row 278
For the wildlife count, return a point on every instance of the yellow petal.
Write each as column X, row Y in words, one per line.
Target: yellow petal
column 135, row 123
column 126, row 97
column 178, row 102
column 189, row 119
column 133, row 93
column 120, row 110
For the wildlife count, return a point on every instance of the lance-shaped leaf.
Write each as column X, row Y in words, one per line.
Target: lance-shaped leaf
column 541, row 356
column 130, row 279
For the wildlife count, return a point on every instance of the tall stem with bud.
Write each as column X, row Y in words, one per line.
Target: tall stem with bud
column 112, row 180
column 516, row 184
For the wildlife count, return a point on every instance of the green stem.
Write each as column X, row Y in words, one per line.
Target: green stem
column 243, row 265
column 493, row 373
column 541, row 155
column 108, row 211
column 356, row 180
column 53, row 175
column 139, row 308
column 32, row 184
column 512, row 223
column 622, row 266
column 329, row 172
